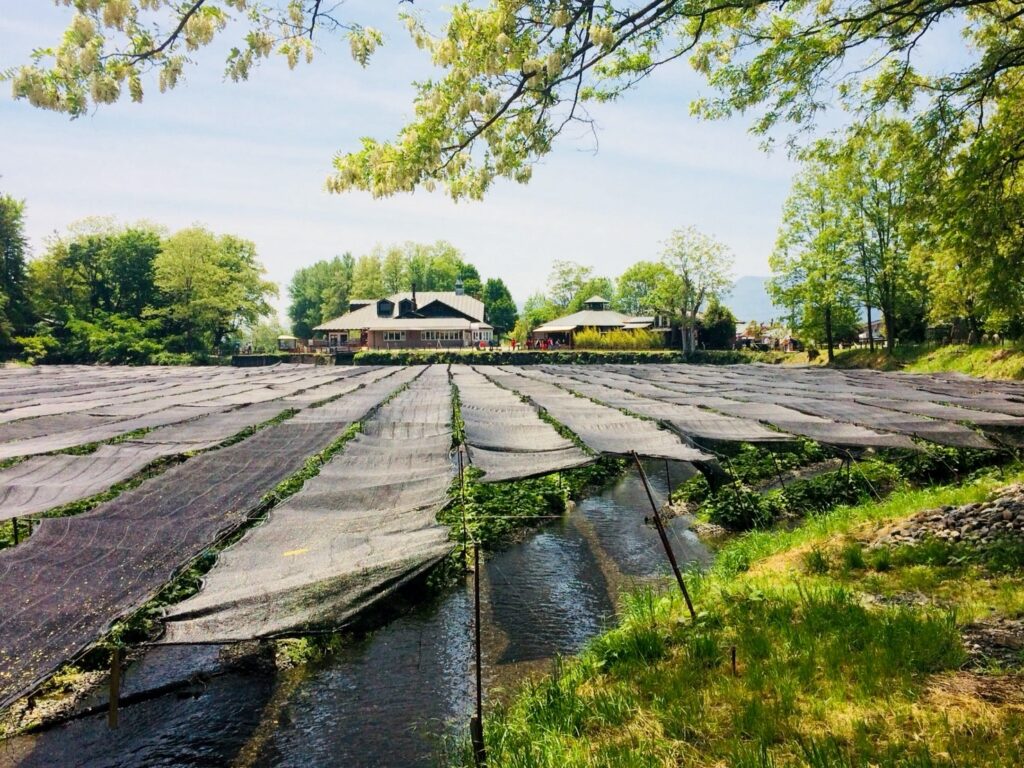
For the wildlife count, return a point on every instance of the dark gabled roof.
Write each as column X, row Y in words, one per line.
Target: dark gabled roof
column 366, row 316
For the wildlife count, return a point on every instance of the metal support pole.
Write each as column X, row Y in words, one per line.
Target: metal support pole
column 668, row 481
column 115, row 687
column 476, row 723
column 663, row 535
column 462, row 502
column 14, row 527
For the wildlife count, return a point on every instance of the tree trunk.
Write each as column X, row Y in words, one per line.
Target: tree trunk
column 828, row 334
column 890, row 329
column 871, row 333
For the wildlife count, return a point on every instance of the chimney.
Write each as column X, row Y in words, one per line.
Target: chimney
column 414, row 307
column 459, row 290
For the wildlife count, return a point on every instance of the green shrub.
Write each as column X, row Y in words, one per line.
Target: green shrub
column 638, row 339
column 35, row 349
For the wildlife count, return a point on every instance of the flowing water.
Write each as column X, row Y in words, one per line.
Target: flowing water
column 389, row 698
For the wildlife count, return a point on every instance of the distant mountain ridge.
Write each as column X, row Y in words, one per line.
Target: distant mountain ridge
column 749, row 301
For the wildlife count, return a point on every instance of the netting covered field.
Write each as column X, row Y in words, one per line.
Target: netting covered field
column 367, row 521
column 63, row 587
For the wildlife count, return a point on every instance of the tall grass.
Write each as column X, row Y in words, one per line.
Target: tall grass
column 639, row 339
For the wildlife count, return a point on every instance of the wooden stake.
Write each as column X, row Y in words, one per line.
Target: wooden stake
column 115, row 687
column 668, row 480
column 664, row 538
column 734, row 673
column 14, row 526
column 476, row 723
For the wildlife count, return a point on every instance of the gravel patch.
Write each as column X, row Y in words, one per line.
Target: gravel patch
column 979, row 523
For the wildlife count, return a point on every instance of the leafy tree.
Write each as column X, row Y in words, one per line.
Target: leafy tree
column 717, row 328
column 338, row 292
column 972, row 250
column 565, row 281
column 113, row 339
column 701, row 269
column 262, row 337
column 878, row 171
column 636, row 287
column 814, row 274
column 394, row 271
column 595, row 286
column 516, row 75
column 471, row 284
column 318, row 293
column 537, row 310
column 367, row 278
column 498, row 304
column 14, row 308
column 211, row 286
column 97, row 268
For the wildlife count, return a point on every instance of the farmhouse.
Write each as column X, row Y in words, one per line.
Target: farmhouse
column 411, row 320
column 596, row 314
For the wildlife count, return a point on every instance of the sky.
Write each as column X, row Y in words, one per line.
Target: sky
column 251, row 158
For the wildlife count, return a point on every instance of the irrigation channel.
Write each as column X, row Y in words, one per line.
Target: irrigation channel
column 394, row 696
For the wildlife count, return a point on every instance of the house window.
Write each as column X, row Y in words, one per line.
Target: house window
column 442, row 335
column 385, row 308
column 394, row 335
column 482, row 335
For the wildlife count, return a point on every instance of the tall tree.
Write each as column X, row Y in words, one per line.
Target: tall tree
column 367, row 278
column 879, row 163
column 14, row 308
column 98, row 267
column 717, row 326
column 701, row 269
column 211, row 286
column 318, row 293
column 635, row 291
column 595, row 286
column 813, row 263
column 498, row 304
column 565, row 281
column 394, row 270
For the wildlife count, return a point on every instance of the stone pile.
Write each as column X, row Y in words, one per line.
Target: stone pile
column 981, row 522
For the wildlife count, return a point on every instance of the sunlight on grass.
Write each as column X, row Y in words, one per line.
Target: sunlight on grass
column 843, row 657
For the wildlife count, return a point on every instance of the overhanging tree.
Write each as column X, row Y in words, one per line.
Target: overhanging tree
column 517, row 72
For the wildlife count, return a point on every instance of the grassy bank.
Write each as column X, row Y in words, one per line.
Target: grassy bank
column 986, row 361
column 843, row 657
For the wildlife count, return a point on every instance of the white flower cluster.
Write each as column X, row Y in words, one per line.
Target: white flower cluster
column 602, row 35
column 116, row 13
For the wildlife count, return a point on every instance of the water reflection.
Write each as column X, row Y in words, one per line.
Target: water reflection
column 388, row 699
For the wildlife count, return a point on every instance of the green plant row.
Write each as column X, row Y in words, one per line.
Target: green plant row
column 740, row 505
column 564, row 356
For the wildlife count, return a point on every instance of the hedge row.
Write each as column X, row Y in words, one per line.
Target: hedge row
column 577, row 356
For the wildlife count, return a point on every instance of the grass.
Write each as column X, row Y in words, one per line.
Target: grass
column 834, row 665
column 982, row 360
